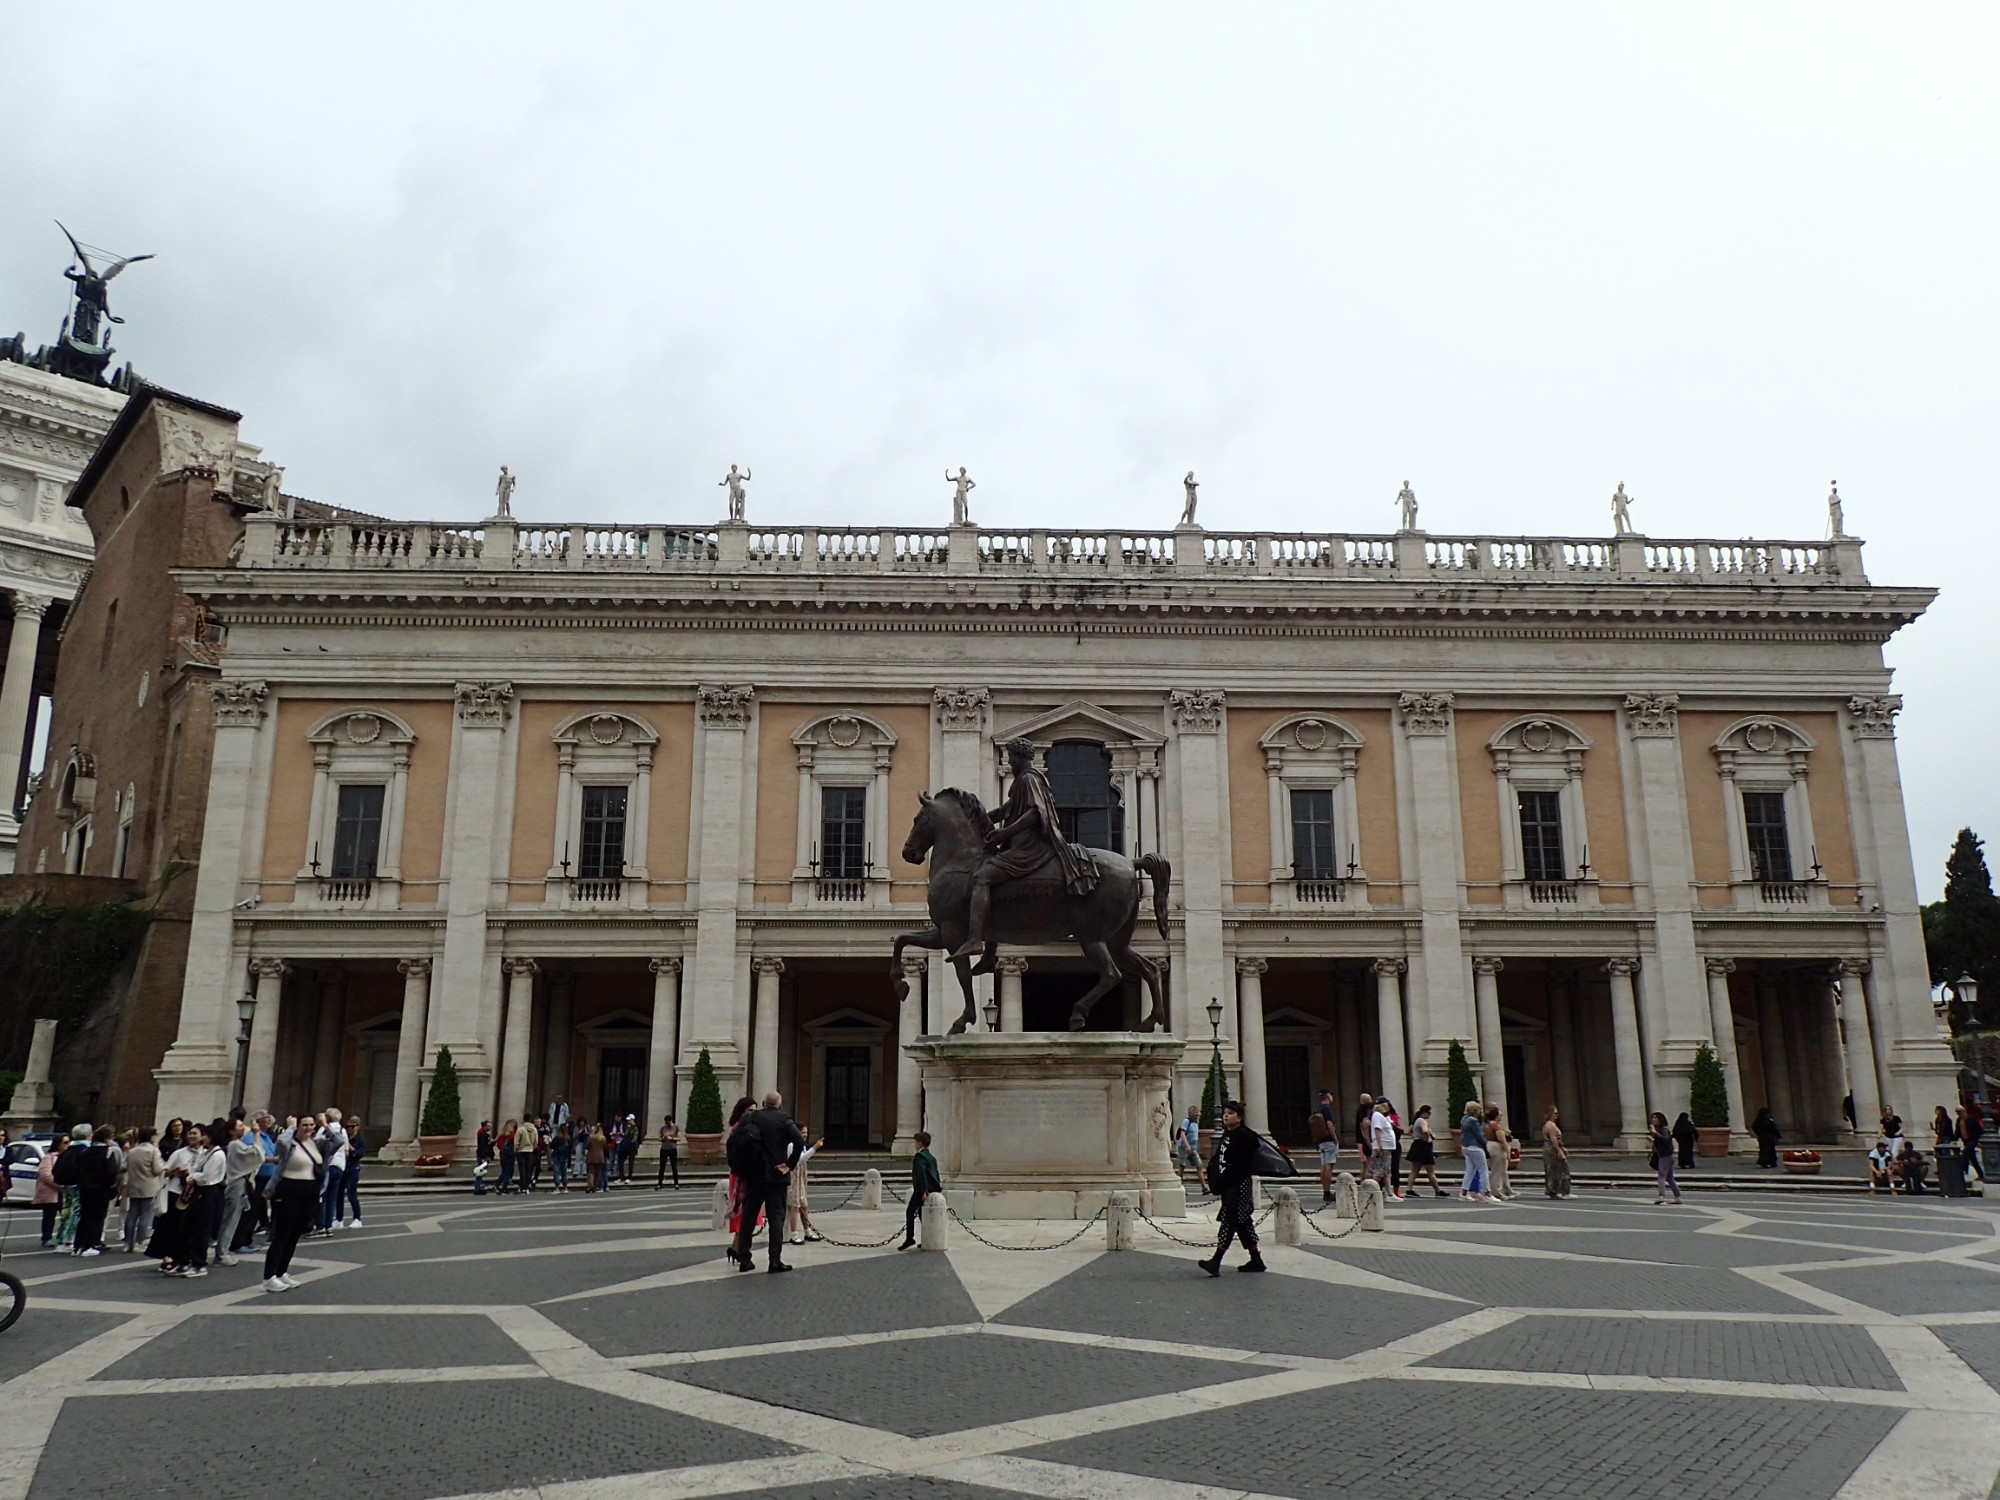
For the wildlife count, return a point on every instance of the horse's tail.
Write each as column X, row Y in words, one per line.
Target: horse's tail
column 1163, row 875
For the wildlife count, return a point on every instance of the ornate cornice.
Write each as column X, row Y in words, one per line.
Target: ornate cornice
column 1196, row 710
column 239, row 704
column 1652, row 715
column 483, row 704
column 1874, row 718
column 724, row 707
column 1425, row 713
column 961, row 707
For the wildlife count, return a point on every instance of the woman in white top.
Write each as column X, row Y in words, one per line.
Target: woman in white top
column 798, row 1212
column 294, row 1201
column 195, row 1174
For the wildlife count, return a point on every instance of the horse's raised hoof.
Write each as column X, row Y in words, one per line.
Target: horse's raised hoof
column 1076, row 1023
column 902, row 989
column 956, row 1027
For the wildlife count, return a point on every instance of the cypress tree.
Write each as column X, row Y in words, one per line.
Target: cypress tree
column 1708, row 1093
column 441, row 1114
column 704, row 1098
column 1459, row 1089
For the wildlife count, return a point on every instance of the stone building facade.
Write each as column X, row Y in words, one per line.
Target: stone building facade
column 582, row 801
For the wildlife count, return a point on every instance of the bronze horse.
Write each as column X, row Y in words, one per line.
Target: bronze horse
column 951, row 828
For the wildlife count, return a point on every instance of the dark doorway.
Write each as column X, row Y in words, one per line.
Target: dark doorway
column 1515, row 1058
column 621, row 1082
column 1047, row 999
column 1288, row 1085
column 846, row 1112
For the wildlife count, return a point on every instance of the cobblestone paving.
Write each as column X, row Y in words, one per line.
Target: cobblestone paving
column 488, row 1350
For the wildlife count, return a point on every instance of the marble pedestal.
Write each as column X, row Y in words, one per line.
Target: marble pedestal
column 1048, row 1125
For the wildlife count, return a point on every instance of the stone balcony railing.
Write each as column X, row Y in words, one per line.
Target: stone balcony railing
column 273, row 542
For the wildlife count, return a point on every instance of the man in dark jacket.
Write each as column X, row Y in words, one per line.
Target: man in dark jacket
column 782, row 1142
column 96, row 1181
column 924, row 1181
column 1232, row 1177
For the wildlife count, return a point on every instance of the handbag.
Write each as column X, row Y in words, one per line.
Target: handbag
column 1272, row 1162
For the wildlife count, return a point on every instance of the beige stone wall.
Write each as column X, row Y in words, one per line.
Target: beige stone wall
column 1249, row 807
column 1826, row 791
column 909, row 774
column 1708, row 832
column 1604, row 807
column 1375, row 790
column 1478, row 807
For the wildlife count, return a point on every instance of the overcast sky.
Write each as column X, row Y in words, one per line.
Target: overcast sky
column 1514, row 255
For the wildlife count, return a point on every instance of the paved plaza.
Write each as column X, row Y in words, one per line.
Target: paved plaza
column 1792, row 1347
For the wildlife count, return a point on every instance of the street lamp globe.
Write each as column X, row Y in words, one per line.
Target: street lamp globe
column 1215, row 1015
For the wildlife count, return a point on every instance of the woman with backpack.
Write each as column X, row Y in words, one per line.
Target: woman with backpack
column 294, row 1190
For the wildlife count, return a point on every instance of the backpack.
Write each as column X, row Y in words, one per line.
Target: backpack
column 1316, row 1127
column 745, row 1152
column 63, row 1173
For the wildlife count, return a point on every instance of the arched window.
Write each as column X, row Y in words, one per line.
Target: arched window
column 1086, row 801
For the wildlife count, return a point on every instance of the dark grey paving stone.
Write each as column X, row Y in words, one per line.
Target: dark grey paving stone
column 1498, row 1281
column 1919, row 1287
column 1782, row 1353
column 1167, row 1298
column 1349, row 1442
column 277, row 1344
column 1543, row 1213
column 405, row 1444
column 889, row 1487
column 923, row 1387
column 41, row 1333
column 522, row 1278
column 137, row 1279
column 1978, row 1344
column 1720, row 1251
column 816, row 1301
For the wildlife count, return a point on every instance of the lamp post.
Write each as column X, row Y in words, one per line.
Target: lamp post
column 1218, row 1085
column 246, row 1011
column 992, row 1013
column 1968, row 993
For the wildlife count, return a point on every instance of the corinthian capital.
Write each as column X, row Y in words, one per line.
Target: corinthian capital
column 1196, row 710
column 724, row 707
column 1425, row 713
column 1652, row 715
column 239, row 704
column 961, row 707
column 1874, row 718
column 484, row 704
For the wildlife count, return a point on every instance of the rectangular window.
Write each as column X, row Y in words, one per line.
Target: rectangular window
column 843, row 832
column 1542, row 836
column 1770, row 845
column 357, row 832
column 1312, row 836
column 602, row 856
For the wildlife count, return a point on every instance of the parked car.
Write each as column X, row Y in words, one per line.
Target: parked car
column 24, row 1159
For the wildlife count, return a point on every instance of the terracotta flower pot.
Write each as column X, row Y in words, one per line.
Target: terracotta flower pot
column 438, row 1145
column 1803, row 1168
column 430, row 1170
column 1711, row 1140
column 704, row 1149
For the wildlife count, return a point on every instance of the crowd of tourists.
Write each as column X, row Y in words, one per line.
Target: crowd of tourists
column 557, row 1147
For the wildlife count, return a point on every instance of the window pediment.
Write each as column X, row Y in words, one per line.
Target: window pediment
column 846, row 730
column 1078, row 720
column 605, row 729
column 361, row 729
column 1760, row 736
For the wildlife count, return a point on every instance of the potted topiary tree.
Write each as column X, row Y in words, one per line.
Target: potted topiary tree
column 1708, row 1103
column 438, row 1125
column 704, row 1121
column 1459, row 1089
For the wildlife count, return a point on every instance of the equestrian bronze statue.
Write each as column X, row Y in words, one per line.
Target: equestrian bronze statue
column 1020, row 881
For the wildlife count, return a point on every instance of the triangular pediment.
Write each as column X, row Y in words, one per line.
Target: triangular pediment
column 1078, row 720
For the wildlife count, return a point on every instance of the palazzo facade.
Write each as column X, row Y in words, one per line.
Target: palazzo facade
column 581, row 801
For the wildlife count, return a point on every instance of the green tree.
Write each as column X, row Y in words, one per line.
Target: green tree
column 1708, row 1093
column 441, row 1110
column 1213, row 1091
column 704, row 1098
column 1459, row 1089
column 1962, row 933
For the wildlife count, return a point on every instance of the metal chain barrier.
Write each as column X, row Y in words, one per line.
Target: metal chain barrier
column 996, row 1245
column 1312, row 1219
column 861, row 1244
column 1159, row 1229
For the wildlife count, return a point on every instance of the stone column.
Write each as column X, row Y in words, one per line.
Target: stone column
column 1347, row 1046
column 1012, row 967
column 723, row 713
column 409, row 1047
column 260, row 1070
column 195, row 1075
column 561, row 1033
column 660, row 1100
column 1492, row 1057
column 1250, row 1038
column 1440, row 1008
column 1776, row 1052
column 764, row 1053
column 964, row 759
column 909, row 1082
column 1722, row 1021
column 1563, row 1079
column 329, row 1028
column 1202, row 973
column 1625, row 1048
column 464, row 1004
column 511, row 1103
column 1675, row 996
column 1860, row 1038
column 1389, row 1027
column 17, row 698
column 33, row 1105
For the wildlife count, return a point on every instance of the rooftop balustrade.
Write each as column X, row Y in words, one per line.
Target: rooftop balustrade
column 505, row 545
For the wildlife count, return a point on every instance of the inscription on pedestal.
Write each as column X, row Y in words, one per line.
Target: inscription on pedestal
column 1023, row 1125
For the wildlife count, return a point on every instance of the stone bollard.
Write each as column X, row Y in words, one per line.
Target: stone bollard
column 1371, row 1206
column 871, row 1188
column 1121, row 1223
column 934, row 1225
column 718, row 1205
column 1346, row 1205
column 1288, row 1221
